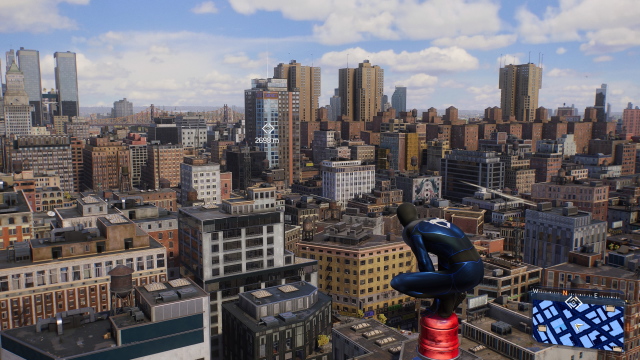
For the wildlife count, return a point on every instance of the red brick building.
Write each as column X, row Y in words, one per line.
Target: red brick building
column 164, row 198
column 511, row 128
column 351, row 129
column 464, row 137
column 532, row 131
column 103, row 160
column 593, row 197
column 306, row 132
column 438, row 132
column 602, row 129
column 581, row 135
column 554, row 129
column 225, row 183
column 77, row 160
column 493, row 114
column 370, row 137
column 546, row 166
column 485, row 130
column 631, row 121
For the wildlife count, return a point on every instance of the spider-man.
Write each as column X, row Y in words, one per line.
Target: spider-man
column 459, row 265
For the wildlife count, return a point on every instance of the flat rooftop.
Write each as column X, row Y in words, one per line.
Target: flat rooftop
column 603, row 270
column 372, row 241
column 291, row 291
column 74, row 341
column 72, row 213
column 204, row 214
column 252, row 324
column 4, row 264
column 516, row 337
column 378, row 352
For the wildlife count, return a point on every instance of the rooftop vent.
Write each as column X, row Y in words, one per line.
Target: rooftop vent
column 287, row 317
column 116, row 219
column 497, row 272
column 385, row 341
column 90, row 200
column 395, row 350
column 360, row 326
column 179, row 282
column 501, row 328
column 544, row 206
column 155, row 287
column 168, row 296
column 287, row 288
column 269, row 320
column 371, row 334
column 187, row 292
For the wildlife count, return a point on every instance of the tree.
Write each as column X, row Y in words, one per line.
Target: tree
column 382, row 318
column 323, row 340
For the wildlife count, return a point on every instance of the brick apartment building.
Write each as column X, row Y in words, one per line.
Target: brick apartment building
column 103, row 161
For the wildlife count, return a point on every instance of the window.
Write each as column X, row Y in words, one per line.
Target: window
column 160, row 261
column 40, row 278
column 159, row 236
column 98, row 269
column 28, row 280
column 149, row 262
column 87, row 271
column 140, row 263
column 64, row 274
column 76, row 273
column 107, row 267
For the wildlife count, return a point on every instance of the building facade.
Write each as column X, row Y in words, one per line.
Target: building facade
column 399, row 99
column 163, row 162
column 103, row 163
column 122, row 108
column 66, row 73
column 361, row 90
column 475, row 167
column 17, row 110
column 343, row 180
column 202, row 176
column 519, row 87
column 306, row 79
column 29, row 62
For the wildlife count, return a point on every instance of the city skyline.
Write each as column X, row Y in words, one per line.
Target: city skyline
column 160, row 58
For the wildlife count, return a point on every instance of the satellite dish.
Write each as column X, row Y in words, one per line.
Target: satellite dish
column 51, row 213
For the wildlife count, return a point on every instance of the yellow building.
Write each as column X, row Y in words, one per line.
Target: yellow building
column 355, row 267
column 412, row 148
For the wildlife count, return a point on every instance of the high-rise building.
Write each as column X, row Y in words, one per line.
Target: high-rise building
column 243, row 163
column 243, row 244
column 66, row 73
column 399, row 99
column 343, row 180
column 103, row 163
column 164, row 130
column 11, row 58
column 601, row 103
column 518, row 175
column 519, row 85
column 137, row 145
column 17, row 110
column 336, row 105
column 122, row 108
column 631, row 121
column 198, row 174
column 552, row 232
column 305, row 80
column 272, row 113
column 77, row 160
column 546, row 165
column 482, row 168
column 29, row 62
column 163, row 162
column 361, row 90
column 608, row 111
column 41, row 153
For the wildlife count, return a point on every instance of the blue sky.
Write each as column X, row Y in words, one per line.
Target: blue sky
column 445, row 51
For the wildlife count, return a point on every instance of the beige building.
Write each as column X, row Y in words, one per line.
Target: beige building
column 361, row 90
column 41, row 278
column 518, row 175
column 519, row 85
column 58, row 124
column 307, row 80
column 356, row 267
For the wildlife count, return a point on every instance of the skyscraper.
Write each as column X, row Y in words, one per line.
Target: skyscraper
column 17, row 111
column 67, row 83
column 335, row 103
column 601, row 102
column 272, row 115
column 306, row 80
column 29, row 63
column 361, row 91
column 519, row 85
column 11, row 58
column 399, row 99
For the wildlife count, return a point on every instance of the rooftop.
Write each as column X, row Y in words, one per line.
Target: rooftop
column 603, row 270
column 71, row 213
column 516, row 337
column 278, row 294
column 87, row 337
column 203, row 214
column 374, row 332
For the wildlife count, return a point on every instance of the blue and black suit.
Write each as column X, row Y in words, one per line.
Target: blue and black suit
column 460, row 268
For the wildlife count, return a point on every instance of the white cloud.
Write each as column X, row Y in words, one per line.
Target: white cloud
column 35, row 16
column 509, row 59
column 555, row 72
column 617, row 92
column 603, row 58
column 478, row 41
column 561, row 51
column 418, row 81
column 452, row 84
column 612, row 25
column 432, row 60
column 207, row 7
column 485, row 96
column 346, row 21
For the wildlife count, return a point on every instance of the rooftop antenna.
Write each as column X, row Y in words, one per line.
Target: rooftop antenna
column 539, row 59
column 542, row 61
column 529, row 57
column 267, row 60
column 500, row 61
column 347, row 61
